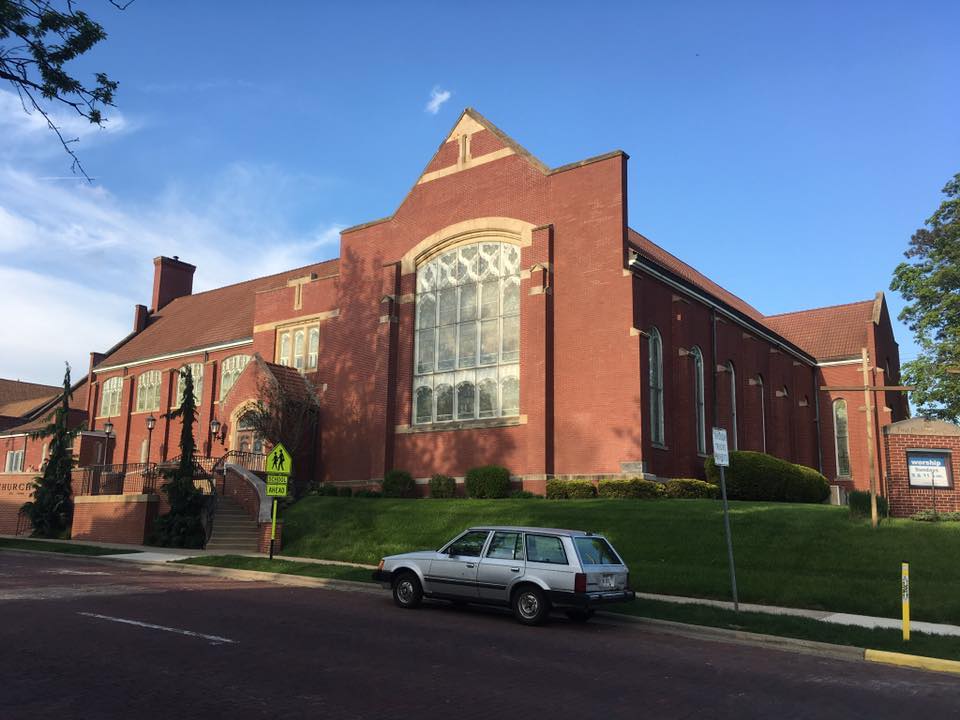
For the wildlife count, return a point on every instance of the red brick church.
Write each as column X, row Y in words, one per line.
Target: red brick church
column 505, row 313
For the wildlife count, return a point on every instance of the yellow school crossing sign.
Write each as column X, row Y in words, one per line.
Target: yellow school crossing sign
column 279, row 466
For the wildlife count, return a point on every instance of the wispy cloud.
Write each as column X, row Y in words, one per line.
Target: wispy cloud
column 437, row 98
column 25, row 128
column 96, row 260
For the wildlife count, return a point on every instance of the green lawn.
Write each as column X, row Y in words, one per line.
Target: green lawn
column 241, row 562
column 59, row 547
column 809, row 556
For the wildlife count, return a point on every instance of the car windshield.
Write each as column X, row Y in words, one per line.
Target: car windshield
column 596, row 551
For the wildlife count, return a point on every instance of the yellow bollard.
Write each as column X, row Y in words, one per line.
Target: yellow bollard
column 905, row 589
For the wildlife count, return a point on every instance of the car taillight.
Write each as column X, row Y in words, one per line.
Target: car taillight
column 380, row 566
column 580, row 583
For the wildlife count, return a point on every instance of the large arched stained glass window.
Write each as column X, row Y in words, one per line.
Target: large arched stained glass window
column 468, row 334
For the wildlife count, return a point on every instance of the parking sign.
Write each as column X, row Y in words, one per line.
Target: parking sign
column 720, row 455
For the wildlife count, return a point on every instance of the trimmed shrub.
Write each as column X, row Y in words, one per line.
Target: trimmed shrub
column 930, row 516
column 524, row 495
column 688, row 488
column 344, row 491
column 367, row 494
column 757, row 476
column 327, row 490
column 399, row 484
column 636, row 488
column 860, row 504
column 570, row 490
column 488, row 481
column 442, row 486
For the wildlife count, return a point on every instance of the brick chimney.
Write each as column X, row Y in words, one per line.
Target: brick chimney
column 140, row 316
column 171, row 279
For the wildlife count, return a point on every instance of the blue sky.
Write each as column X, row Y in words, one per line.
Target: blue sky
column 787, row 151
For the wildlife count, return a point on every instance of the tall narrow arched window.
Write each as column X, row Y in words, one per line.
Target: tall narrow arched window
column 468, row 334
column 148, row 391
column 656, row 387
column 230, row 370
column 763, row 412
column 196, row 371
column 110, row 397
column 733, row 404
column 699, row 404
column 299, row 340
column 841, row 440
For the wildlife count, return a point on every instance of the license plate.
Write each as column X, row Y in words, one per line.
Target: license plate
column 608, row 582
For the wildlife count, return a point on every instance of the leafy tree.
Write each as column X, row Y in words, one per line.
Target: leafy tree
column 38, row 38
column 930, row 283
column 183, row 526
column 51, row 510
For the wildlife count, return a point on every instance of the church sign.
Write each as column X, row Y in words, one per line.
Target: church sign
column 929, row 468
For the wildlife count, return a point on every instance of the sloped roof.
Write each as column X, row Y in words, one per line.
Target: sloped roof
column 291, row 382
column 658, row 255
column 15, row 392
column 829, row 333
column 208, row 318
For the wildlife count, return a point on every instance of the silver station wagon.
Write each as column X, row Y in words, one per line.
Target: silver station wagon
column 532, row 570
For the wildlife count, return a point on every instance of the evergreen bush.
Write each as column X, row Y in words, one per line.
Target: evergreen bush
column 636, row 488
column 488, row 481
column 758, row 476
column 690, row 488
column 570, row 490
column 442, row 486
column 399, row 484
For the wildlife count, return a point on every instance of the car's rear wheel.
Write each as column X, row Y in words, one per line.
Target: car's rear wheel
column 579, row 616
column 530, row 606
column 407, row 590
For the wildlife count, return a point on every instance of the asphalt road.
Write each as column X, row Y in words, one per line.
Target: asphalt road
column 91, row 639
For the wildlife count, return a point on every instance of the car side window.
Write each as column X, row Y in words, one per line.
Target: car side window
column 506, row 546
column 470, row 545
column 546, row 549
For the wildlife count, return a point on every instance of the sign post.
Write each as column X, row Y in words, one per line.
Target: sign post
column 905, row 591
column 279, row 467
column 721, row 458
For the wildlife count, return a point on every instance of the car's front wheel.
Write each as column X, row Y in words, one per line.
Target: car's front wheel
column 407, row 590
column 530, row 606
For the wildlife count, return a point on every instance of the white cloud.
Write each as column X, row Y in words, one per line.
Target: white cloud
column 437, row 98
column 26, row 131
column 94, row 253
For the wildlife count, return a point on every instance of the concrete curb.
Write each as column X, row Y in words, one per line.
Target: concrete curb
column 740, row 637
column 262, row 576
column 921, row 662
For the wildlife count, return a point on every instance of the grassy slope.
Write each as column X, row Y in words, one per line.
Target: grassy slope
column 60, row 547
column 810, row 556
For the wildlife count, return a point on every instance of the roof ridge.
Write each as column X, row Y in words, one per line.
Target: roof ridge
column 254, row 279
column 824, row 307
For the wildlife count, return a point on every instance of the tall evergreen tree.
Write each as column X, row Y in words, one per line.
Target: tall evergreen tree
column 51, row 510
column 182, row 526
column 930, row 283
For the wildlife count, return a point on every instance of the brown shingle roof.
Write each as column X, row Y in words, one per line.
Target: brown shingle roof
column 207, row 318
column 657, row 254
column 14, row 391
column 828, row 333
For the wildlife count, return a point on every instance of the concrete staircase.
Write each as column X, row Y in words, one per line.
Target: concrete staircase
column 233, row 530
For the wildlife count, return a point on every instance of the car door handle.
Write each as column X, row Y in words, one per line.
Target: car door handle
column 470, row 565
column 514, row 569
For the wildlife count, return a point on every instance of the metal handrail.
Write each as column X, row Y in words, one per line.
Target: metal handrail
column 111, row 479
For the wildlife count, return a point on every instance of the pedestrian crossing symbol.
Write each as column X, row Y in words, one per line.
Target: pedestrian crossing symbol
column 278, row 461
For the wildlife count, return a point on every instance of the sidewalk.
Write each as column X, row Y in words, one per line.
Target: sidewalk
column 148, row 554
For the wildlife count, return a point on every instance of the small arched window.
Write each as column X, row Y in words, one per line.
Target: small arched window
column 230, row 370
column 699, row 404
column 733, row 404
column 110, row 397
column 313, row 347
column 841, row 440
column 196, row 372
column 299, row 342
column 148, row 391
column 283, row 355
column 656, row 387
